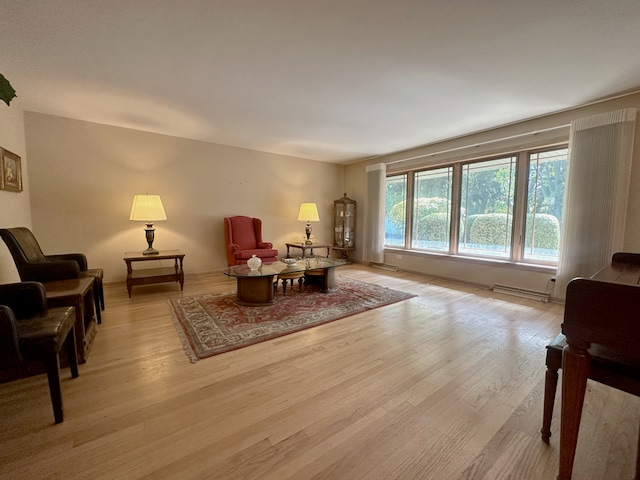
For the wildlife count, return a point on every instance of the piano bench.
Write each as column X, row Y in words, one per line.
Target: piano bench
column 606, row 368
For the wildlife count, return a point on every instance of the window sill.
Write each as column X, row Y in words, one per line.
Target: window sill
column 494, row 262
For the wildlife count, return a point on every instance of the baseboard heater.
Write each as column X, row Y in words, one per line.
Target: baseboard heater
column 522, row 292
column 384, row 266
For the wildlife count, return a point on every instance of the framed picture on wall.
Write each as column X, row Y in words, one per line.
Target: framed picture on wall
column 11, row 171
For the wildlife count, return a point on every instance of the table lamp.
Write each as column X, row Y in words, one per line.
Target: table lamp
column 148, row 209
column 308, row 213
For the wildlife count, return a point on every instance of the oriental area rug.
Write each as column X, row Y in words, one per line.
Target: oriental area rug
column 214, row 323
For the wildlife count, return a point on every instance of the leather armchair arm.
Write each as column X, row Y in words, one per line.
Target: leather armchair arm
column 233, row 248
column 50, row 271
column 9, row 346
column 80, row 258
column 265, row 245
column 26, row 299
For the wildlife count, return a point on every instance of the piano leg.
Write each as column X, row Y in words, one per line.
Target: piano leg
column 575, row 371
column 550, row 388
column 637, row 477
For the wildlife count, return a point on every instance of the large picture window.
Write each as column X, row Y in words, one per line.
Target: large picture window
column 545, row 195
column 432, row 209
column 395, row 218
column 507, row 207
column 486, row 207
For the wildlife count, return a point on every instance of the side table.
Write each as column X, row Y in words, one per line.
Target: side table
column 343, row 251
column 147, row 276
column 76, row 292
column 308, row 246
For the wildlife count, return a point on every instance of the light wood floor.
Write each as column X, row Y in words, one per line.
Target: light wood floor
column 447, row 385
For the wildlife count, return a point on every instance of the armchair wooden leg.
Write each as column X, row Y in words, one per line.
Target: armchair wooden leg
column 72, row 353
column 101, row 294
column 52, row 363
column 96, row 303
column 98, row 299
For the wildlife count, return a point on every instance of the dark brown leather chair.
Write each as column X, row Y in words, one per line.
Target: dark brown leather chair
column 34, row 265
column 28, row 330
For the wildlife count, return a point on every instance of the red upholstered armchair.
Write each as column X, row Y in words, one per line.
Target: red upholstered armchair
column 243, row 236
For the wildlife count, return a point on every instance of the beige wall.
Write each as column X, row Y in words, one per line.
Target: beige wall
column 15, row 208
column 482, row 273
column 83, row 177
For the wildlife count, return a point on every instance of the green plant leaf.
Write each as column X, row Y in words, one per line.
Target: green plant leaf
column 7, row 93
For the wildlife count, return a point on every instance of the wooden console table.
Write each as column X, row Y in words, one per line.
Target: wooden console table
column 76, row 292
column 147, row 276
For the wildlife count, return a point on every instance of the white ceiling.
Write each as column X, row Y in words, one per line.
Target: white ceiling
column 330, row 80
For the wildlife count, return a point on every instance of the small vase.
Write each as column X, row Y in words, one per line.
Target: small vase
column 254, row 262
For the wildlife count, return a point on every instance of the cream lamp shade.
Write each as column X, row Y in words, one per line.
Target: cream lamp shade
column 308, row 213
column 148, row 209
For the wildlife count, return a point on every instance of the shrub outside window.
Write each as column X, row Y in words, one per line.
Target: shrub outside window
column 432, row 209
column 486, row 207
column 545, row 195
column 395, row 210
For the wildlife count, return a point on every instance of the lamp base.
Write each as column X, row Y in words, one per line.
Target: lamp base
column 150, row 235
column 307, row 232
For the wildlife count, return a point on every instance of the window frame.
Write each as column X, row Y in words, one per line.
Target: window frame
column 516, row 254
column 510, row 157
column 525, row 174
column 414, row 180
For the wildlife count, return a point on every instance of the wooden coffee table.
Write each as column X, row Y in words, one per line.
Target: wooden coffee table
column 255, row 288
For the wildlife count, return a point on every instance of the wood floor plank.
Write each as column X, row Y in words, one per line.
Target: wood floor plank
column 445, row 385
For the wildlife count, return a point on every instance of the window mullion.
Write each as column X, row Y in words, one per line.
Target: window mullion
column 456, row 201
column 408, row 230
column 520, row 208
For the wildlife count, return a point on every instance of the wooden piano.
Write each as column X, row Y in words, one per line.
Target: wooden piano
column 603, row 310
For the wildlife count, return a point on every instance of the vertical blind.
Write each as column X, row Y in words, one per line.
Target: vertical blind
column 596, row 194
column 374, row 213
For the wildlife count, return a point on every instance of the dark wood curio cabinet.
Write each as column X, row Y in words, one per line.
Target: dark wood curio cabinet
column 344, row 226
